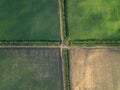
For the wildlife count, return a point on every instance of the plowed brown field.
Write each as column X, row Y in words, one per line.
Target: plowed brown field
column 95, row 69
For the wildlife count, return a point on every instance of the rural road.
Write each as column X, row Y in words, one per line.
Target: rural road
column 62, row 40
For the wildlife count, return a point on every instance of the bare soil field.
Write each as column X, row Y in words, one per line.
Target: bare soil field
column 95, row 68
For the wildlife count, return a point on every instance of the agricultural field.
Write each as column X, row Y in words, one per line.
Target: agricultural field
column 29, row 20
column 30, row 69
column 95, row 68
column 93, row 19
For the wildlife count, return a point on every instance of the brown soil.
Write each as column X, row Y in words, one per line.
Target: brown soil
column 95, row 69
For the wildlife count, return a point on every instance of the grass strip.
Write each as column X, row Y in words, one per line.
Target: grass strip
column 93, row 43
column 29, row 43
column 66, row 69
column 64, row 19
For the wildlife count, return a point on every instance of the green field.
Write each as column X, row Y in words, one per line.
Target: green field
column 30, row 69
column 29, row 20
column 93, row 19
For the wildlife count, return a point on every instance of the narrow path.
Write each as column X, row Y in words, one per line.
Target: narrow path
column 91, row 47
column 62, row 41
column 29, row 46
column 61, row 47
column 61, row 24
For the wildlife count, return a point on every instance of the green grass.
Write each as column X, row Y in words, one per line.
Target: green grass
column 29, row 43
column 66, row 69
column 93, row 19
column 30, row 69
column 93, row 43
column 29, row 20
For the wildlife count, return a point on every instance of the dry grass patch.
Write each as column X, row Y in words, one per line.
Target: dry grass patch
column 95, row 69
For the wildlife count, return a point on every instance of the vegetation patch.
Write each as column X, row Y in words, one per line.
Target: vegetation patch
column 66, row 69
column 93, row 43
column 64, row 19
column 30, row 69
column 29, row 20
column 93, row 19
column 29, row 43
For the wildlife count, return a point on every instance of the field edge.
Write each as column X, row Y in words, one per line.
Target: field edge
column 29, row 43
column 66, row 69
column 93, row 43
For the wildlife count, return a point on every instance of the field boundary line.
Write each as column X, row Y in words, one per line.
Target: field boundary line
column 94, row 47
column 61, row 23
column 62, row 41
column 29, row 46
column 66, row 69
column 29, row 43
column 94, row 43
column 64, row 47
